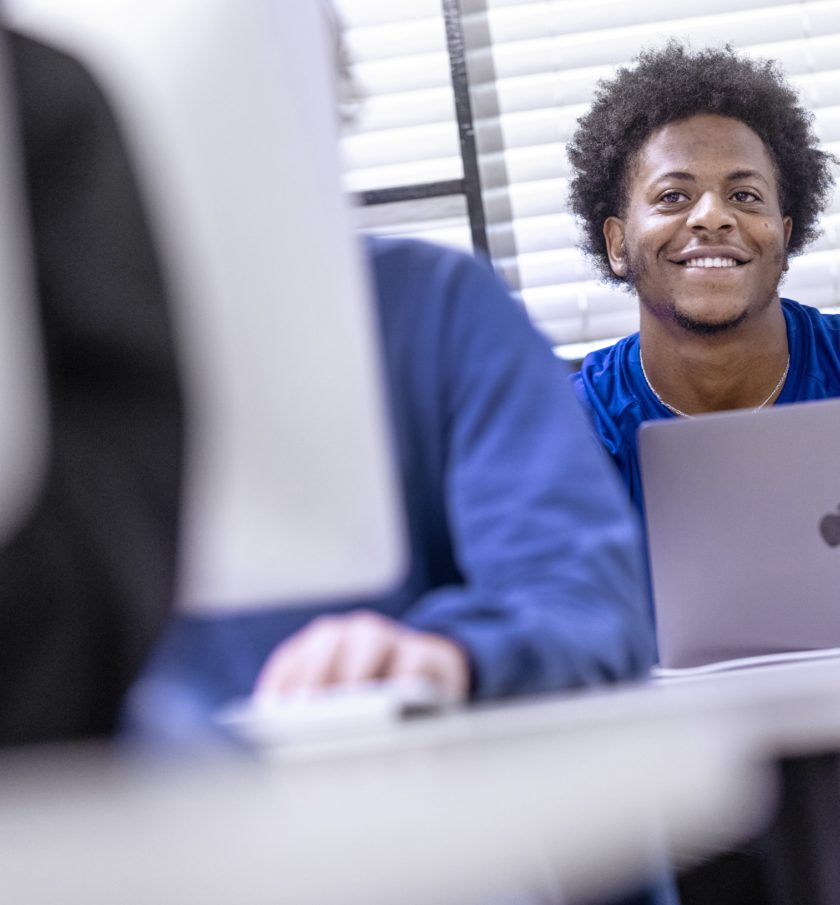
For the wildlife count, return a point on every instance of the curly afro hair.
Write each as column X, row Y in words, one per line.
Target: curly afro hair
column 675, row 83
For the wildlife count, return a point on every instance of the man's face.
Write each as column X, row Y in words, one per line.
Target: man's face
column 703, row 238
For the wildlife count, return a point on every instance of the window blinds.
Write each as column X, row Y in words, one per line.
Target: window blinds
column 533, row 65
column 404, row 130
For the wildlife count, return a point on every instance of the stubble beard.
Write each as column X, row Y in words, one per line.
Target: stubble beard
column 706, row 328
column 680, row 317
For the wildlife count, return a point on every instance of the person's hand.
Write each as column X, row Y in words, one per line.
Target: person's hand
column 359, row 647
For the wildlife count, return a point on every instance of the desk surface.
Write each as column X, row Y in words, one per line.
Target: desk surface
column 570, row 792
column 778, row 710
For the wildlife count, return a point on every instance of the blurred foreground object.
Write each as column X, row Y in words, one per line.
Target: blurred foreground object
column 86, row 579
column 289, row 490
column 564, row 800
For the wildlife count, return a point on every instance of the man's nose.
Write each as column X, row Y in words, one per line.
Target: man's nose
column 711, row 212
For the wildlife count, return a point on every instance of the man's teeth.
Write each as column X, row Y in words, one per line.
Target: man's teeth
column 711, row 262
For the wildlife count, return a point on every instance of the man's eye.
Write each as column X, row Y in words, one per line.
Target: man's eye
column 745, row 197
column 673, row 197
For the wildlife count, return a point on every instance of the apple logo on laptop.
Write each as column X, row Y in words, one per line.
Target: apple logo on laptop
column 830, row 528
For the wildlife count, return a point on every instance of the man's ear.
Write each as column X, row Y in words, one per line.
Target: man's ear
column 787, row 225
column 614, row 236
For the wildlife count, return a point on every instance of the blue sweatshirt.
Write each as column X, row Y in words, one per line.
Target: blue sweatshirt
column 522, row 546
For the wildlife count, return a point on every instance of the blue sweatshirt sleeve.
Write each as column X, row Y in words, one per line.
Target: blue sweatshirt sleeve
column 553, row 586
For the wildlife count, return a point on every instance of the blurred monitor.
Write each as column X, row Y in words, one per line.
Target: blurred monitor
column 229, row 110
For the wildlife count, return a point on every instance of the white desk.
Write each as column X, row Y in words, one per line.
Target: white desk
column 793, row 712
column 571, row 792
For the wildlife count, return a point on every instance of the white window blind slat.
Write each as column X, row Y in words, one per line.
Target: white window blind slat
column 367, row 13
column 393, row 40
column 581, row 297
column 800, row 56
column 827, row 123
column 382, row 112
column 456, row 235
column 435, row 141
column 414, row 73
column 549, row 232
column 602, row 324
column 819, row 89
column 521, row 20
column 524, row 164
column 819, row 268
column 416, row 172
column 536, row 90
column 546, row 267
column 530, row 128
column 526, row 199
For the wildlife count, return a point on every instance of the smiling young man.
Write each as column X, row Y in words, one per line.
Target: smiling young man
column 697, row 175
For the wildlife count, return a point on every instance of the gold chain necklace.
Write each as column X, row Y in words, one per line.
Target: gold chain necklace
column 676, row 411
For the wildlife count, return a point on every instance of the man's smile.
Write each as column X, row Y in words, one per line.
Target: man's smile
column 711, row 262
column 717, row 257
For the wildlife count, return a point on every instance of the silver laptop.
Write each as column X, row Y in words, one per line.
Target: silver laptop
column 743, row 520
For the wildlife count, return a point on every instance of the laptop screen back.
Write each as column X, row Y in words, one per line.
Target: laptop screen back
column 740, row 508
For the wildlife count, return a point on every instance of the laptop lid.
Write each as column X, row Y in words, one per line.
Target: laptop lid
column 743, row 523
column 291, row 492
